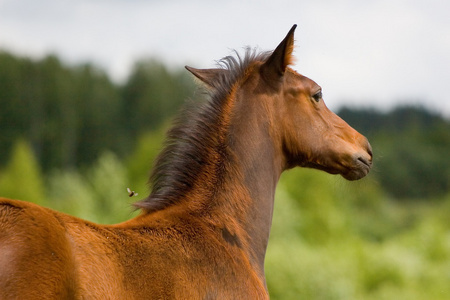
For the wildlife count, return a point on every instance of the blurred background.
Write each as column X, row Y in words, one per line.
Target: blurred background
column 88, row 88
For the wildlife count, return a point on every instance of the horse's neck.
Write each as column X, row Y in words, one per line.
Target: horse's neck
column 236, row 195
column 251, row 179
column 260, row 176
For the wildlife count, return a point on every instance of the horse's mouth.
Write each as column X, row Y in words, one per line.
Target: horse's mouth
column 360, row 169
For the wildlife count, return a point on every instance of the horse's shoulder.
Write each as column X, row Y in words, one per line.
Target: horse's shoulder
column 23, row 213
column 33, row 241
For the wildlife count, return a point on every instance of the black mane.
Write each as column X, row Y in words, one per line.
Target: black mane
column 195, row 132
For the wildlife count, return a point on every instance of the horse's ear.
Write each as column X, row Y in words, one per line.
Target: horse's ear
column 275, row 66
column 207, row 76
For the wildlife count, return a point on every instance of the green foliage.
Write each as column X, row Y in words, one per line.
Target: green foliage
column 22, row 178
column 152, row 94
column 311, row 195
column 72, row 114
column 70, row 192
column 99, row 195
column 413, row 166
column 68, row 114
column 411, row 147
column 140, row 161
column 333, row 239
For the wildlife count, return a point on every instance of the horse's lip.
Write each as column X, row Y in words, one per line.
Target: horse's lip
column 360, row 169
column 366, row 162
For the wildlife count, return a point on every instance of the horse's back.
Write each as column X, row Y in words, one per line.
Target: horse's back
column 45, row 254
column 35, row 254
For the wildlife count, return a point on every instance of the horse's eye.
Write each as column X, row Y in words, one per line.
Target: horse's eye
column 317, row 96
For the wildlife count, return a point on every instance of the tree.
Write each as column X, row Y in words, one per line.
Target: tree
column 22, row 178
column 153, row 94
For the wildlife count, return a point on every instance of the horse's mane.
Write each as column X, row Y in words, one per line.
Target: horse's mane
column 195, row 132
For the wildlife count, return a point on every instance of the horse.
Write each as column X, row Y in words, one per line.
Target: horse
column 202, row 232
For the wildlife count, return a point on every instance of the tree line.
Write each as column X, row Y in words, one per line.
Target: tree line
column 71, row 114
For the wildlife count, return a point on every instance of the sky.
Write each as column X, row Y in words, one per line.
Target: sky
column 378, row 53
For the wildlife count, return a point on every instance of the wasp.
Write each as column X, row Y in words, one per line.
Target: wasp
column 131, row 193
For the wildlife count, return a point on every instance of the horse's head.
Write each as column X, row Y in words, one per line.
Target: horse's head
column 311, row 135
column 307, row 133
